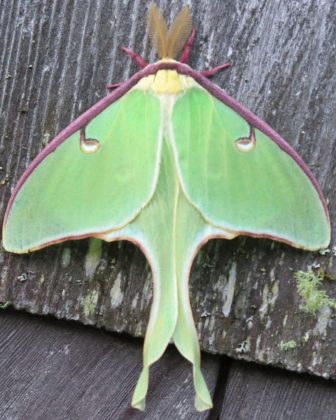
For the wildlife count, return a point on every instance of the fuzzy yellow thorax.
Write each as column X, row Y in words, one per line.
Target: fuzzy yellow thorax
column 166, row 82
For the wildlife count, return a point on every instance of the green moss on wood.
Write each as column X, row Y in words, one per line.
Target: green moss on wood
column 308, row 284
column 288, row 345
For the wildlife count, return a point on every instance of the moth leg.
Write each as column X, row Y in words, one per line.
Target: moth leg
column 112, row 86
column 139, row 61
column 187, row 48
column 211, row 72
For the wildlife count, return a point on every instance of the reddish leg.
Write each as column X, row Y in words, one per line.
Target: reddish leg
column 187, row 48
column 139, row 61
column 112, row 86
column 211, row 72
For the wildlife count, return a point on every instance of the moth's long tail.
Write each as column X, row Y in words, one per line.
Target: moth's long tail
column 191, row 231
column 162, row 320
column 171, row 315
column 186, row 340
column 169, row 230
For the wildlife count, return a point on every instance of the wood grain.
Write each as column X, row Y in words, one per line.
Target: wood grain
column 258, row 393
column 56, row 59
column 57, row 370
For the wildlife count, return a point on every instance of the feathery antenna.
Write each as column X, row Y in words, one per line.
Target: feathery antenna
column 179, row 32
column 168, row 44
column 158, row 30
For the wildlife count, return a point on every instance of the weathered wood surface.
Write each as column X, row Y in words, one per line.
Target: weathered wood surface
column 55, row 60
column 61, row 370
column 53, row 370
column 262, row 393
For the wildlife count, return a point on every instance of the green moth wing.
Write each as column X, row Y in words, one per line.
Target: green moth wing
column 168, row 161
column 240, row 179
column 83, row 187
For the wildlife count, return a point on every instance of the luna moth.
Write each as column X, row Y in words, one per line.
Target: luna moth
column 167, row 161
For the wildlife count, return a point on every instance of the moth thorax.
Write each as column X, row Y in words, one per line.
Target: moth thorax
column 166, row 82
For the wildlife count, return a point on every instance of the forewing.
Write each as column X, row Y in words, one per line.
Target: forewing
column 72, row 194
column 258, row 190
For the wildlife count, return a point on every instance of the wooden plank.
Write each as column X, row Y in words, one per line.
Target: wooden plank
column 56, row 60
column 57, row 370
column 260, row 393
